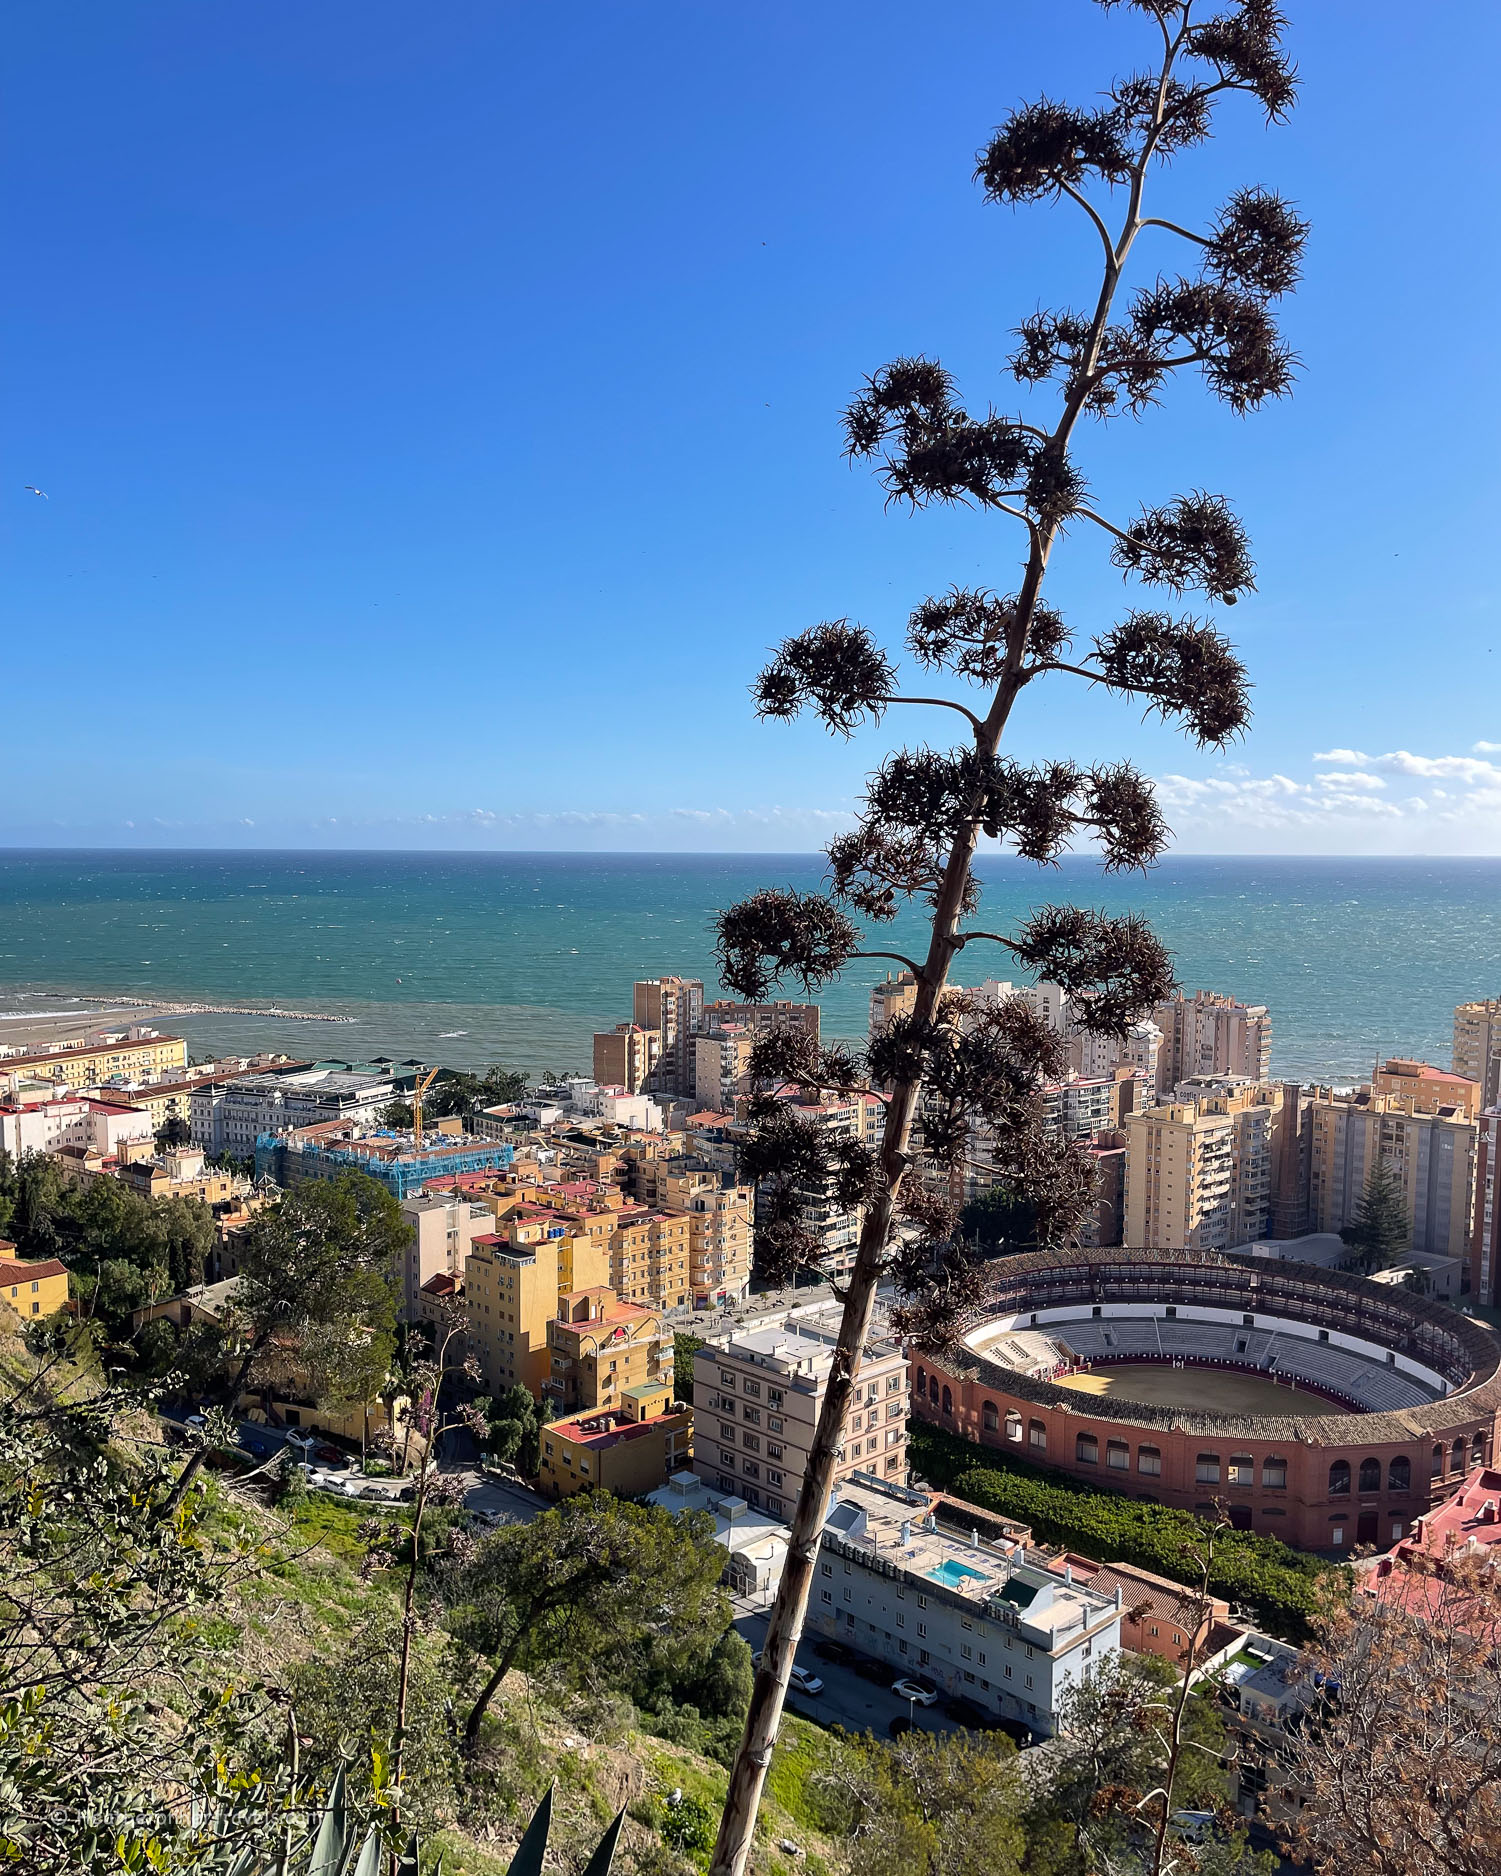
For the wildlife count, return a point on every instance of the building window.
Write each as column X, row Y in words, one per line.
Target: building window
column 1242, row 1469
column 1438, row 1462
column 948, row 1401
column 1118, row 1455
column 1274, row 1474
column 966, row 1651
column 922, row 1628
column 901, row 1620
column 1370, row 1475
column 828, row 1595
column 1399, row 1478
column 1207, row 1469
column 990, row 1417
column 826, row 1569
column 1336, row 1535
column 1087, row 1450
column 1339, row 1478
column 1037, row 1436
column 1148, row 1461
column 1457, row 1456
column 1014, row 1429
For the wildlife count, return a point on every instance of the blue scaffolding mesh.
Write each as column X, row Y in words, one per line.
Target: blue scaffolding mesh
column 402, row 1175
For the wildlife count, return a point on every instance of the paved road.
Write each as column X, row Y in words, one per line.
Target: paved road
column 847, row 1700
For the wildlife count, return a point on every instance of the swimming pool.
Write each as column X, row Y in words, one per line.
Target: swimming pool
column 954, row 1575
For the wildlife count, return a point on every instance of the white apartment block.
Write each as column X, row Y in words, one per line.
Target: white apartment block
column 226, row 1116
column 756, row 1401
column 980, row 1620
column 443, row 1229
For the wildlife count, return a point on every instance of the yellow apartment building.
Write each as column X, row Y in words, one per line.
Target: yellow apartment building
column 629, row 1450
column 140, row 1059
column 601, row 1346
column 510, row 1294
column 1199, row 1173
column 32, row 1286
column 1428, row 1088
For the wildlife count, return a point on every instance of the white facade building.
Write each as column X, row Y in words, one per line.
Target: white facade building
column 227, row 1116
column 47, row 1126
column 980, row 1620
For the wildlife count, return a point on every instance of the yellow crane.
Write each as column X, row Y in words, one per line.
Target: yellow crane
column 423, row 1080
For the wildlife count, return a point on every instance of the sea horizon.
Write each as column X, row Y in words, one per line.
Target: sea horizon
column 472, row 957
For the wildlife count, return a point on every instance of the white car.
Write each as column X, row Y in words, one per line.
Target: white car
column 800, row 1678
column 917, row 1691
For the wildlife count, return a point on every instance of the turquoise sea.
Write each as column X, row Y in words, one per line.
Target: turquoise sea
column 479, row 957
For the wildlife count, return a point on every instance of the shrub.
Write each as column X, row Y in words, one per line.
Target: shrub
column 1279, row 1584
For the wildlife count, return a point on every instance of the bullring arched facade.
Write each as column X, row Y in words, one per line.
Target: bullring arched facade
column 1328, row 1482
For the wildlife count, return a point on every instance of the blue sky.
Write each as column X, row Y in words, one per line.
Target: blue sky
column 438, row 413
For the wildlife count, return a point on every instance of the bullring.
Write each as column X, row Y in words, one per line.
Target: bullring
column 1389, row 1397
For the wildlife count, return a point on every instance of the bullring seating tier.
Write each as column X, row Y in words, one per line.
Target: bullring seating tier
column 1350, row 1377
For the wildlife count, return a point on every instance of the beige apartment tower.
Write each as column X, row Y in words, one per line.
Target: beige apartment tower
column 1199, row 1174
column 1210, row 1034
column 673, row 1007
column 1477, row 1047
column 756, row 1402
column 626, row 1057
column 1431, row 1154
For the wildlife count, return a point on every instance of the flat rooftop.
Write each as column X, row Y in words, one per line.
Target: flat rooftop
column 998, row 1579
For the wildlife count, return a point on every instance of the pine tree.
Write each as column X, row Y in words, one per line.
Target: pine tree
column 1380, row 1230
column 950, row 1066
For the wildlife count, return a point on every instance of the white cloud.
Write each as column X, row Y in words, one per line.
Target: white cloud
column 1455, row 806
column 1402, row 762
column 1485, row 749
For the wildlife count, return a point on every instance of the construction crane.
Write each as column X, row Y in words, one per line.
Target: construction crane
column 421, row 1082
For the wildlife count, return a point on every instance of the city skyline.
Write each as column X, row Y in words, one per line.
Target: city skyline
column 460, row 365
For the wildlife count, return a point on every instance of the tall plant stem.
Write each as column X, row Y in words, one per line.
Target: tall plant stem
column 785, row 1625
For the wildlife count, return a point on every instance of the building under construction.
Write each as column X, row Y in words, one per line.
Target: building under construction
column 403, row 1161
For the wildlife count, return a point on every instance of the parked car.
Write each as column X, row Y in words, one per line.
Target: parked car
column 800, row 1678
column 918, row 1691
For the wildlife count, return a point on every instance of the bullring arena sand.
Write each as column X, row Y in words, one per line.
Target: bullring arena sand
column 1155, row 1384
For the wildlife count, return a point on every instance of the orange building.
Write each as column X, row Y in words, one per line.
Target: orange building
column 629, row 1450
column 599, row 1347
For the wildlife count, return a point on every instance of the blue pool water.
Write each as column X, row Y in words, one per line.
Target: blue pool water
column 953, row 1575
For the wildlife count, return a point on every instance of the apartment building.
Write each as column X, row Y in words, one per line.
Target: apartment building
column 1199, row 1173
column 629, row 1450
column 1477, row 1047
column 444, row 1227
column 984, row 1620
column 719, row 1218
column 649, row 1260
column 36, row 1286
column 1138, row 1051
column 100, row 1127
column 229, row 1115
column 1210, row 1034
column 721, row 1068
column 760, row 1017
column 1483, row 1278
column 1428, row 1088
column 1433, row 1156
column 894, row 997
column 136, row 1055
column 510, row 1296
column 626, row 1057
column 599, row 1348
column 835, row 1226
column 673, row 1009
column 757, row 1400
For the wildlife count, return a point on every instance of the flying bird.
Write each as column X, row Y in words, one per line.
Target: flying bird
column 32, row 489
